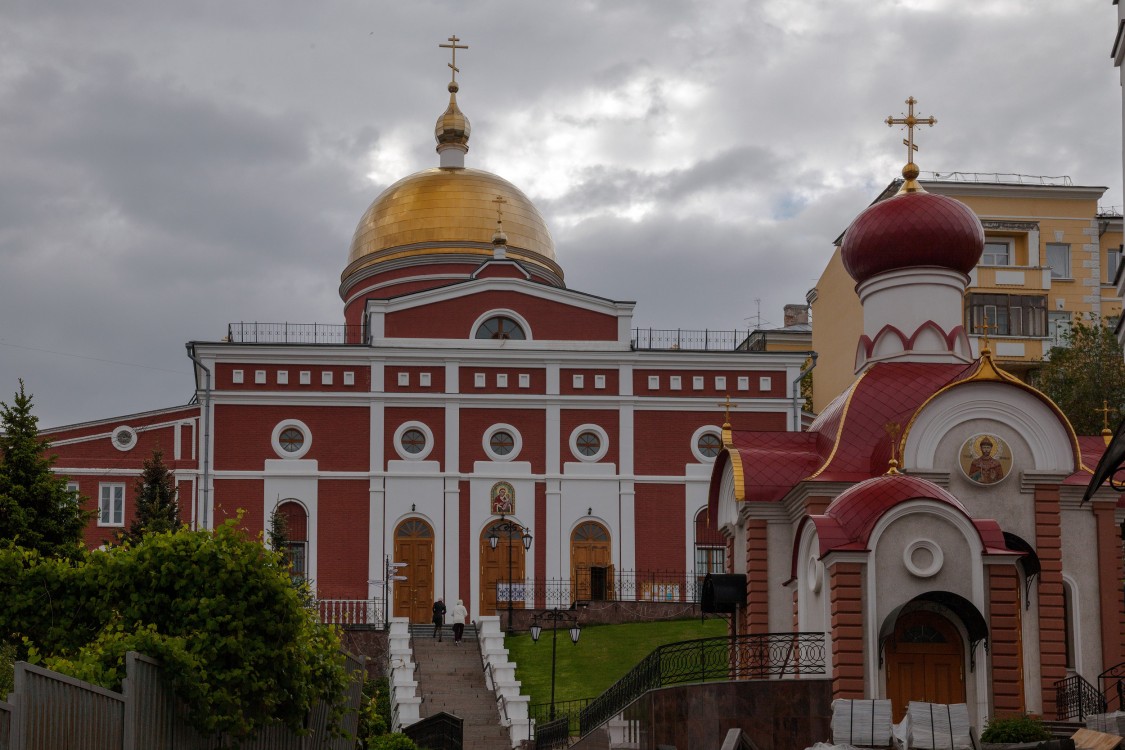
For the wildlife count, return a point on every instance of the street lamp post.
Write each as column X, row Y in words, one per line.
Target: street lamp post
column 508, row 528
column 555, row 616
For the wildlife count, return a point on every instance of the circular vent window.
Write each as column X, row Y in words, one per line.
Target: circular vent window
column 124, row 438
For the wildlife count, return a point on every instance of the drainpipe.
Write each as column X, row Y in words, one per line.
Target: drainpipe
column 206, row 448
column 797, row 392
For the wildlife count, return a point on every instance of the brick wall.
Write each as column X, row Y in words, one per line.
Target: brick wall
column 1006, row 653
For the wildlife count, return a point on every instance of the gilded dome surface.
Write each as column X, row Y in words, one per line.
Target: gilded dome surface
column 445, row 210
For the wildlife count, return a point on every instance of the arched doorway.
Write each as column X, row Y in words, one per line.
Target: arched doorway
column 414, row 545
column 925, row 661
column 591, row 558
column 494, row 567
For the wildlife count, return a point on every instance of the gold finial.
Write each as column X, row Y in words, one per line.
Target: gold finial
column 453, row 46
column 893, row 429
column 728, row 438
column 1107, row 434
column 498, row 237
column 910, row 171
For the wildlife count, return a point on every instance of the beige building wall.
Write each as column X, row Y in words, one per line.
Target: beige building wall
column 1034, row 221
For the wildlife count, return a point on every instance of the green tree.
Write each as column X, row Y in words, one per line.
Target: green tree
column 158, row 509
column 1088, row 370
column 36, row 509
column 216, row 608
column 277, row 534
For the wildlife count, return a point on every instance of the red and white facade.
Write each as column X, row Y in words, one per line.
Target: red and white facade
column 392, row 442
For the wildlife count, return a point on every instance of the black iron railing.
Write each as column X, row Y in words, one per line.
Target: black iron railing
column 597, row 584
column 553, row 734
column 294, row 333
column 570, row 710
column 681, row 338
column 441, row 731
column 744, row 657
column 1076, row 698
column 1111, row 683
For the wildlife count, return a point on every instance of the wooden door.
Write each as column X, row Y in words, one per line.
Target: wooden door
column 494, row 568
column 925, row 662
column 414, row 545
column 590, row 547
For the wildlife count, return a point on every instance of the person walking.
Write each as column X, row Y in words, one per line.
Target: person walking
column 460, row 616
column 439, row 617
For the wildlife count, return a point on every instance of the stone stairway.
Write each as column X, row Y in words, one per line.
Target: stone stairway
column 450, row 679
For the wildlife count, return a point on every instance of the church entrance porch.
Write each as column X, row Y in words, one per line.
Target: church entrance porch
column 414, row 545
column 591, row 569
column 925, row 661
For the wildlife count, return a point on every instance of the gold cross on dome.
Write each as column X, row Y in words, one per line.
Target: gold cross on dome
column 1105, row 410
column 499, row 201
column 454, row 46
column 985, row 328
column 892, row 429
column 911, row 121
column 727, row 407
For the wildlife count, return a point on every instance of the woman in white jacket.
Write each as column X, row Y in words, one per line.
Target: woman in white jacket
column 459, row 617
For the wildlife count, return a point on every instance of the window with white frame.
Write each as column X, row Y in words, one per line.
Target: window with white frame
column 1058, row 258
column 501, row 380
column 720, row 382
column 599, row 381
column 697, row 383
column 674, row 382
column 502, row 442
column 1058, row 326
column 997, row 252
column 111, row 505
column 425, row 379
column 579, row 381
column 1112, row 261
column 743, row 383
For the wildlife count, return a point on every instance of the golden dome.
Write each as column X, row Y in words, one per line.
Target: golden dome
column 445, row 211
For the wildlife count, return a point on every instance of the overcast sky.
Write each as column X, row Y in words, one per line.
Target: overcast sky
column 169, row 167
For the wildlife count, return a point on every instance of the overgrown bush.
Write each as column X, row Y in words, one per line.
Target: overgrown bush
column 216, row 608
column 7, row 669
column 1015, row 729
column 394, row 741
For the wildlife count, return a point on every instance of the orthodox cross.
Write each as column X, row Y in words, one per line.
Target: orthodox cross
column 454, row 46
column 1105, row 410
column 726, row 406
column 910, row 121
column 985, row 328
column 499, row 201
column 892, row 429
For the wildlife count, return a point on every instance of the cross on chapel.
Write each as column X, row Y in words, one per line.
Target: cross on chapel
column 453, row 46
column 911, row 121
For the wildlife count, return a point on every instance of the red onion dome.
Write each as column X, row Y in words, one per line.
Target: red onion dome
column 911, row 230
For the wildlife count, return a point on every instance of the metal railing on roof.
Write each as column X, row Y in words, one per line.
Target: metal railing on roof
column 1008, row 177
column 294, row 333
column 673, row 339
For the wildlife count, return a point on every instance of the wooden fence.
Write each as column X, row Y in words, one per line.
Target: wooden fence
column 48, row 710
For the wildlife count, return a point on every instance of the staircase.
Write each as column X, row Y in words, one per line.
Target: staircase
column 450, row 679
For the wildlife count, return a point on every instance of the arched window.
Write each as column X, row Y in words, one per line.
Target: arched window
column 291, row 524
column 710, row 549
column 500, row 327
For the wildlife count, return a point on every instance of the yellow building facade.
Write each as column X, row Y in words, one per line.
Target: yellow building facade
column 1050, row 258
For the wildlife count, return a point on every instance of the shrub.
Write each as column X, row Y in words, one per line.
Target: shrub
column 1015, row 729
column 394, row 741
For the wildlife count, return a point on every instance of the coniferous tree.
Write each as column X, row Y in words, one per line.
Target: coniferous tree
column 158, row 508
column 278, row 532
column 1089, row 370
column 36, row 509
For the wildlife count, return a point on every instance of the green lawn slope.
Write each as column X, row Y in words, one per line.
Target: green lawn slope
column 603, row 655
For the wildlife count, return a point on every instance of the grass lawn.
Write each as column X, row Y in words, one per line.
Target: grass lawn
column 602, row 656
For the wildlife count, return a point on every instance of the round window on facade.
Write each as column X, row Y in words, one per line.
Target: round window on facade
column 124, row 438
column 291, row 439
column 589, row 443
column 501, row 327
column 502, row 442
column 413, row 441
column 706, row 443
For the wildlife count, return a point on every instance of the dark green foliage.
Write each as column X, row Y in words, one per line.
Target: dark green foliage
column 277, row 533
column 1015, row 729
column 375, row 712
column 36, row 510
column 216, row 608
column 394, row 741
column 158, row 509
column 7, row 669
column 1080, row 376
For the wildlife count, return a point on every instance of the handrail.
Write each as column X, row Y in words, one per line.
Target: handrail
column 1111, row 684
column 1076, row 698
column 742, row 657
column 490, row 679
